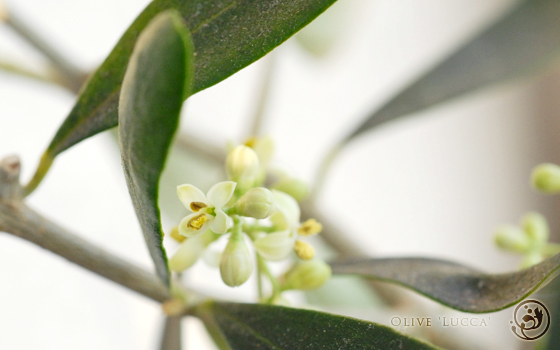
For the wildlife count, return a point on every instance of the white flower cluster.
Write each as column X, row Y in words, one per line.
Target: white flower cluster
column 248, row 212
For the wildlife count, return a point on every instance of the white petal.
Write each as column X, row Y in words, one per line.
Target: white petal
column 187, row 231
column 289, row 208
column 275, row 246
column 187, row 254
column 221, row 223
column 188, row 194
column 220, row 193
column 212, row 257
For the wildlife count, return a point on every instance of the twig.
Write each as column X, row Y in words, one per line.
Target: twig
column 263, row 98
column 18, row 219
column 191, row 143
column 171, row 337
column 71, row 76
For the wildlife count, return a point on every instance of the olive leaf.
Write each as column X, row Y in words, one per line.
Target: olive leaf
column 455, row 285
column 159, row 77
column 252, row 326
column 228, row 35
column 522, row 41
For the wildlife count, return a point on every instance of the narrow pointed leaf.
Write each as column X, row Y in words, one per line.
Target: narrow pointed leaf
column 522, row 41
column 228, row 35
column 158, row 78
column 267, row 327
column 455, row 285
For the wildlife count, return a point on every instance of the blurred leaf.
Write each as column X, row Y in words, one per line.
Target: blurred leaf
column 454, row 285
column 253, row 326
column 344, row 291
column 523, row 40
column 158, row 79
column 228, row 35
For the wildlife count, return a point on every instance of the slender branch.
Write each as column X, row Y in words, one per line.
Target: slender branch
column 263, row 97
column 171, row 337
column 18, row 219
column 70, row 75
column 191, row 143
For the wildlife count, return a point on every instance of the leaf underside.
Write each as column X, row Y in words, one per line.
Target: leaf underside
column 520, row 42
column 228, row 35
column 455, row 285
column 158, row 78
column 267, row 327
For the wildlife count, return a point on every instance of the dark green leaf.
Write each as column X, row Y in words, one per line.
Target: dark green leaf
column 158, row 79
column 228, row 35
column 523, row 40
column 266, row 327
column 455, row 285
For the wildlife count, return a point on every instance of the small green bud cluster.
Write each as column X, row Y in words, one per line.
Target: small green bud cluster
column 261, row 223
column 529, row 239
column 546, row 178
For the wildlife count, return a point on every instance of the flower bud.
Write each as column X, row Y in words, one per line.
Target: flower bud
column 531, row 259
column 304, row 251
column 242, row 165
column 546, row 178
column 512, row 238
column 275, row 246
column 307, row 275
column 188, row 253
column 294, row 187
column 236, row 264
column 536, row 227
column 257, row 203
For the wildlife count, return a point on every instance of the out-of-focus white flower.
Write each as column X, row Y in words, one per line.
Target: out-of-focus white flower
column 278, row 245
column 207, row 209
column 242, row 165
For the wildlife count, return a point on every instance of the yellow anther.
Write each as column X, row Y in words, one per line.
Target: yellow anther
column 197, row 222
column 309, row 228
column 250, row 142
column 196, row 206
column 176, row 235
column 304, row 251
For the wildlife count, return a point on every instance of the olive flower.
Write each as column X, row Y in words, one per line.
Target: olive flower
column 207, row 209
column 277, row 245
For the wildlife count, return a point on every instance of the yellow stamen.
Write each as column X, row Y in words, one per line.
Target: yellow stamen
column 304, row 251
column 309, row 228
column 196, row 206
column 197, row 222
column 250, row 142
column 176, row 235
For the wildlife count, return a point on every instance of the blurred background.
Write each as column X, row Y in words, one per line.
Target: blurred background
column 433, row 184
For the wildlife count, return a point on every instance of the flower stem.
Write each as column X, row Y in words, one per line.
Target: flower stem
column 275, row 285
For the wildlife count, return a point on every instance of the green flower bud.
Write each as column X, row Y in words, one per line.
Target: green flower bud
column 294, row 187
column 242, row 165
column 546, row 178
column 531, row 259
column 236, row 264
column 536, row 227
column 307, row 275
column 257, row 203
column 513, row 239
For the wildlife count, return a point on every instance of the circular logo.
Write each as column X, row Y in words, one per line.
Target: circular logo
column 531, row 320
